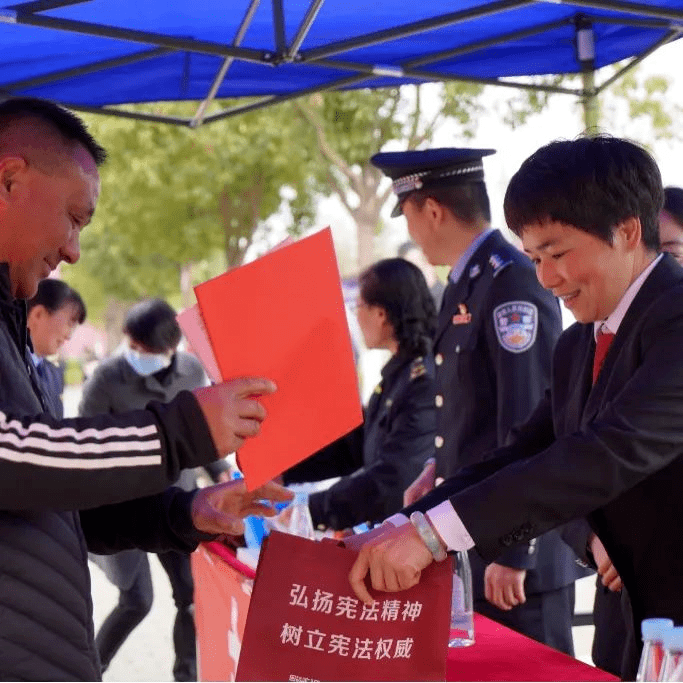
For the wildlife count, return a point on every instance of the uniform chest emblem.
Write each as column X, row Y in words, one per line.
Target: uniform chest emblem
column 516, row 324
column 463, row 316
column 417, row 369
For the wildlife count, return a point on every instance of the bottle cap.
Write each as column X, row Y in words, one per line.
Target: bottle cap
column 653, row 629
column 673, row 639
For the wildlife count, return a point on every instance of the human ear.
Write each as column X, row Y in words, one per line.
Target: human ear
column 630, row 231
column 10, row 167
column 434, row 211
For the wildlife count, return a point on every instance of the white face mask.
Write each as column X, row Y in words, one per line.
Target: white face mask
column 144, row 363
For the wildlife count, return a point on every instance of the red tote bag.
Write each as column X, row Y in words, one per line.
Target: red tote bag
column 305, row 623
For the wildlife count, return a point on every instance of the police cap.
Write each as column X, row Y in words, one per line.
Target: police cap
column 424, row 169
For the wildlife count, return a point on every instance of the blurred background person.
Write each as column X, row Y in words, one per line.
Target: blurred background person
column 150, row 368
column 671, row 223
column 53, row 314
column 411, row 252
column 379, row 459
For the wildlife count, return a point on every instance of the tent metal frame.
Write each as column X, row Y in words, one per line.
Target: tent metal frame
column 156, row 44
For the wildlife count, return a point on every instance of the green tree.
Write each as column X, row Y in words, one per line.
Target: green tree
column 173, row 197
column 351, row 126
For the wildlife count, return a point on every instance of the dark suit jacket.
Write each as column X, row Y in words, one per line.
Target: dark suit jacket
column 51, row 380
column 612, row 452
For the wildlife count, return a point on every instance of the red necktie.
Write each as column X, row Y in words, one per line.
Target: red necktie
column 602, row 343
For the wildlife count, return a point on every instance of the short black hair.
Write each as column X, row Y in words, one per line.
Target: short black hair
column 153, row 324
column 673, row 203
column 399, row 287
column 69, row 126
column 468, row 202
column 54, row 295
column 590, row 183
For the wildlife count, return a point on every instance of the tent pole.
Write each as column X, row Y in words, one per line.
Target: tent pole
column 585, row 56
column 591, row 104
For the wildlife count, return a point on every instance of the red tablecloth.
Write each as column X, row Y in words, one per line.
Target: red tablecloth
column 500, row 654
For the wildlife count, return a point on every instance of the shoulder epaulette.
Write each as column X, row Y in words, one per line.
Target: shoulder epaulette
column 499, row 263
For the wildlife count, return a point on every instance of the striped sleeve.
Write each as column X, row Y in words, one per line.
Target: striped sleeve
column 91, row 461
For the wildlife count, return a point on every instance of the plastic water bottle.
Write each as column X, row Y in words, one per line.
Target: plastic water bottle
column 672, row 664
column 301, row 523
column 462, row 621
column 653, row 631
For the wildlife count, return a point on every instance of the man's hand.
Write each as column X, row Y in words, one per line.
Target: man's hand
column 606, row 569
column 422, row 485
column 357, row 541
column 232, row 411
column 395, row 559
column 219, row 509
column 504, row 586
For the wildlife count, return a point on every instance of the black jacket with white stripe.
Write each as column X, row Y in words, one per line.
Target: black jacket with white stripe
column 97, row 483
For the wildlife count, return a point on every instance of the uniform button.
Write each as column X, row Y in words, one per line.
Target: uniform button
column 438, row 359
column 438, row 400
column 457, row 348
column 438, row 441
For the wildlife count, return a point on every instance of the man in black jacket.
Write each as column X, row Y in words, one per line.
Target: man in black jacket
column 606, row 442
column 92, row 483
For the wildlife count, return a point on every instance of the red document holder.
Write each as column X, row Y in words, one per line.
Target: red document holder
column 305, row 623
column 282, row 316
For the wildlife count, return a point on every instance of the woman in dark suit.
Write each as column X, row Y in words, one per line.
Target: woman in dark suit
column 378, row 460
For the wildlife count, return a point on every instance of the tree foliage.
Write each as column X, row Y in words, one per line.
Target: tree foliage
column 351, row 126
column 173, row 197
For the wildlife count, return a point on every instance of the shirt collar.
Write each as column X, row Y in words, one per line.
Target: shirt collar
column 613, row 320
column 459, row 267
column 37, row 360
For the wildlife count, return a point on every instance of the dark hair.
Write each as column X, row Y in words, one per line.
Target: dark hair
column 399, row 287
column 673, row 203
column 68, row 125
column 469, row 202
column 591, row 183
column 54, row 295
column 153, row 324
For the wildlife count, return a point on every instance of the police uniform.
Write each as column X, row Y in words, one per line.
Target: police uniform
column 493, row 347
column 381, row 458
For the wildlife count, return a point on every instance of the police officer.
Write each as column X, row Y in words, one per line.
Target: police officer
column 495, row 334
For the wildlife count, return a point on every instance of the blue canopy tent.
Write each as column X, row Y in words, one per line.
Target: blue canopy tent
column 91, row 54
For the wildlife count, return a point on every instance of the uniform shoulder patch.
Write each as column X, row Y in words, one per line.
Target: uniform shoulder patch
column 499, row 263
column 417, row 368
column 516, row 324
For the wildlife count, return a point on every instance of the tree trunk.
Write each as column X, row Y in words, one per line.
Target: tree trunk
column 113, row 323
column 187, row 297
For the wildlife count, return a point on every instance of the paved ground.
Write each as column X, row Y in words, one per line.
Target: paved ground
column 147, row 655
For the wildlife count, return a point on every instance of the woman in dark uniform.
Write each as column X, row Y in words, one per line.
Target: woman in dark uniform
column 378, row 460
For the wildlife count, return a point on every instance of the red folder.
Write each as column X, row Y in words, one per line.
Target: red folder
column 282, row 316
column 305, row 623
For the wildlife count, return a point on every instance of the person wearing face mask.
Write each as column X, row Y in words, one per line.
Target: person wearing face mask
column 149, row 368
column 52, row 316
